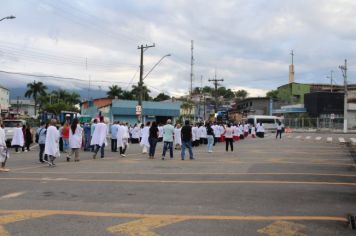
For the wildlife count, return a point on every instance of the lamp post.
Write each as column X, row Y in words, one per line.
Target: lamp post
column 141, row 86
column 8, row 18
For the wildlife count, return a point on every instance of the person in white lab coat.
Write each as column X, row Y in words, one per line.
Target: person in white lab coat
column 4, row 152
column 135, row 134
column 202, row 134
column 260, row 130
column 145, row 132
column 122, row 138
column 18, row 138
column 99, row 138
column 75, row 139
column 177, row 137
column 52, row 143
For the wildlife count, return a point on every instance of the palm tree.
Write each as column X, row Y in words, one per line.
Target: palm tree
column 136, row 92
column 35, row 90
column 114, row 91
column 73, row 98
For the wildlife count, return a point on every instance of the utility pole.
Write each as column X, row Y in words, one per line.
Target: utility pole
column 331, row 81
column 216, row 83
column 191, row 68
column 343, row 69
column 140, row 83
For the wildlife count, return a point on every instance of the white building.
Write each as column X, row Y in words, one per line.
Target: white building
column 4, row 98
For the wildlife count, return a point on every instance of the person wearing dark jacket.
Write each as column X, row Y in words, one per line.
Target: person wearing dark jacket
column 153, row 139
column 28, row 137
column 187, row 140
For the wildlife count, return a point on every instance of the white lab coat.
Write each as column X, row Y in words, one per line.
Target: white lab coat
column 18, row 139
column 260, row 128
column 145, row 134
column 136, row 132
column 160, row 131
column 99, row 135
column 178, row 136
column 120, row 135
column 76, row 139
column 202, row 131
column 195, row 134
column 4, row 154
column 216, row 130
column 52, row 142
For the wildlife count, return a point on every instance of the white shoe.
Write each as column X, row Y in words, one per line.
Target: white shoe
column 25, row 151
column 123, row 155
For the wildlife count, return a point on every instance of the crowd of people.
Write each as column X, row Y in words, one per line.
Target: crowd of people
column 71, row 138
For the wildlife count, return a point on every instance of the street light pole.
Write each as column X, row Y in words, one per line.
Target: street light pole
column 168, row 55
column 7, row 18
column 343, row 69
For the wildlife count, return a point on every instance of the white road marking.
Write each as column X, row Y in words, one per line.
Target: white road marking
column 12, row 195
column 318, row 138
column 298, row 137
column 308, row 137
column 342, row 140
column 329, row 139
column 353, row 141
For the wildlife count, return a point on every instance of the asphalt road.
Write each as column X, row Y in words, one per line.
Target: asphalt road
column 265, row 187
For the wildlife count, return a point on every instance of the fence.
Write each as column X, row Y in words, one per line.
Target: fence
column 314, row 123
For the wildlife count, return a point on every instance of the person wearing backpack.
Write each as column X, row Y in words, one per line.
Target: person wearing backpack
column 41, row 140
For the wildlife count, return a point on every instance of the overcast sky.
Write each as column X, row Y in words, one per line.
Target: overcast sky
column 248, row 43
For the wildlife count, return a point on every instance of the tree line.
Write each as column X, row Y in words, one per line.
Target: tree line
column 52, row 101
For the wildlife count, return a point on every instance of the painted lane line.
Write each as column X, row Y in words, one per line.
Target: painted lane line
column 195, row 173
column 185, row 217
column 140, row 181
column 12, row 195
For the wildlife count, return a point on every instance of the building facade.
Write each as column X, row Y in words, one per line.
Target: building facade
column 22, row 107
column 125, row 110
column 4, row 99
column 293, row 93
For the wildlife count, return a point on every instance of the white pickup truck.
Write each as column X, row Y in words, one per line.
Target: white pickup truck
column 10, row 125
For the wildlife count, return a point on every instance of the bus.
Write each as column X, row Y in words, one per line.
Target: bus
column 269, row 122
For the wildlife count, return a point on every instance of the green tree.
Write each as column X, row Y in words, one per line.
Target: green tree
column 35, row 90
column 207, row 89
column 136, row 92
column 127, row 95
column 272, row 94
column 115, row 91
column 229, row 94
column 241, row 94
column 161, row 97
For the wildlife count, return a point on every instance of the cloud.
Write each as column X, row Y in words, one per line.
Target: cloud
column 247, row 42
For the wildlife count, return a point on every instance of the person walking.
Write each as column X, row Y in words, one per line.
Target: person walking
column 99, row 138
column 65, row 136
column 260, row 129
column 279, row 130
column 41, row 134
column 168, row 133
column 52, row 143
column 187, row 140
column 92, row 129
column 203, row 134
column 177, row 137
column 4, row 152
column 253, row 131
column 123, row 138
column 135, row 134
column 145, row 133
column 229, row 132
column 75, row 140
column 18, row 138
column 28, row 137
column 114, row 130
column 153, row 139
column 210, row 137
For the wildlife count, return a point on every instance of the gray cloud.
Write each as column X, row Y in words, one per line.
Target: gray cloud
column 248, row 42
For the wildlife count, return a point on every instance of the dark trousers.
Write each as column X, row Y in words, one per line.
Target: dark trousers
column 114, row 145
column 135, row 140
column 231, row 142
column 123, row 150
column 279, row 132
column 61, row 144
column 168, row 145
column 17, row 148
column 42, row 148
column 28, row 146
column 153, row 143
column 97, row 147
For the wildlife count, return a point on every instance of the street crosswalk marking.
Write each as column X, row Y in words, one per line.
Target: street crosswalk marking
column 329, row 139
column 342, row 140
column 308, row 137
column 298, row 137
column 353, row 141
column 318, row 138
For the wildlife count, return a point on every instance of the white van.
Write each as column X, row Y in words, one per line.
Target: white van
column 10, row 126
column 269, row 122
